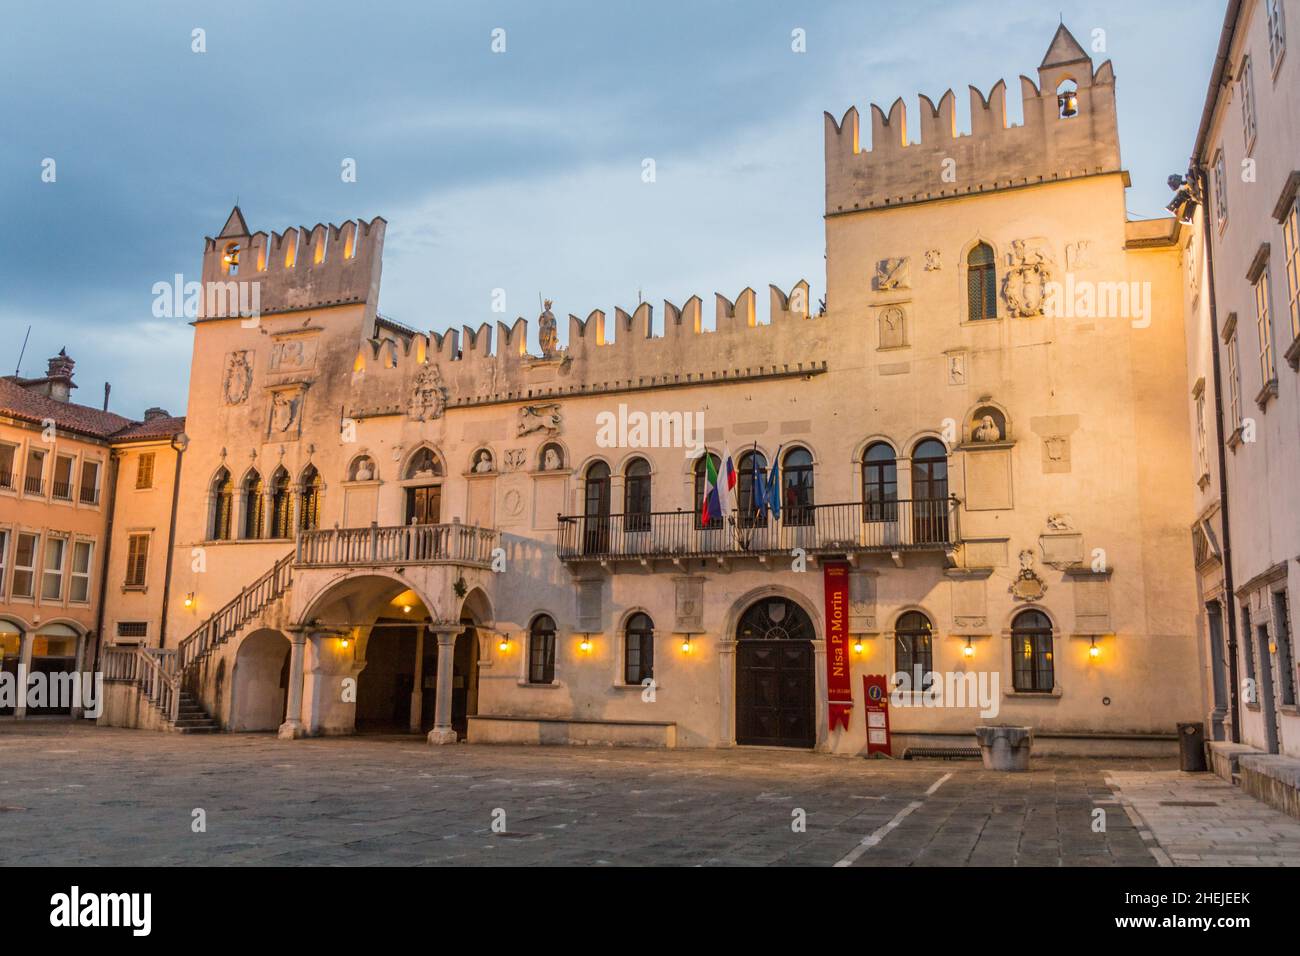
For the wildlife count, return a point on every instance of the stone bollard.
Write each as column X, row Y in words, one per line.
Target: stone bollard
column 1005, row 748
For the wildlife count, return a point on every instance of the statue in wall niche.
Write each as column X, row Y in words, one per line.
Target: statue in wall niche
column 238, row 378
column 482, row 462
column 892, row 274
column 547, row 336
column 552, row 460
column 988, row 430
column 365, row 470
column 428, row 396
column 1025, row 285
column 933, row 260
column 537, row 418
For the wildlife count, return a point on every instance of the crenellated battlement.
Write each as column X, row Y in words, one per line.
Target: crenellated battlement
column 482, row 365
column 993, row 155
column 301, row 268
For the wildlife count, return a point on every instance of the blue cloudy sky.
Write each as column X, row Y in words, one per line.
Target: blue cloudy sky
column 519, row 170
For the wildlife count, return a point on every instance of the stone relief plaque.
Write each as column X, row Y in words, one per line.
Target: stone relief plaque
column 689, row 605
column 862, row 601
column 296, row 354
column 1056, row 454
column 1092, row 604
column 428, row 398
column 893, row 274
column 1029, row 269
column 970, row 604
column 539, row 418
column 893, row 327
column 238, row 378
column 988, row 479
column 285, row 417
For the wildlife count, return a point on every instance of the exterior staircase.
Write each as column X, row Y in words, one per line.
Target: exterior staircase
column 168, row 679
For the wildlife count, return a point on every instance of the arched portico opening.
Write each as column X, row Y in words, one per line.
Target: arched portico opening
column 776, row 674
column 259, row 690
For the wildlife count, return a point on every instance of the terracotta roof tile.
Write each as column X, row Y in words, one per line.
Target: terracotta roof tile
column 25, row 405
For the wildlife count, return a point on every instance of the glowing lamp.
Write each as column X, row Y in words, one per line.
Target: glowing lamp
column 189, row 599
column 1093, row 650
column 857, row 646
column 969, row 649
column 686, row 644
column 586, row 644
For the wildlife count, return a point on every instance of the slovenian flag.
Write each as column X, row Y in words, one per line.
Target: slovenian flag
column 719, row 488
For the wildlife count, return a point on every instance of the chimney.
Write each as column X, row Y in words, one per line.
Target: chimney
column 151, row 413
column 107, row 388
column 58, row 376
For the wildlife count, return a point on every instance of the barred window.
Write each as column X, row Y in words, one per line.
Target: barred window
column 981, row 284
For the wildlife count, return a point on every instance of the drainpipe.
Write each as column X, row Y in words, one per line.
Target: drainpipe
column 114, row 464
column 1202, row 181
column 179, row 443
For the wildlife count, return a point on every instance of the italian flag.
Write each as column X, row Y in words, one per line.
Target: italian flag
column 719, row 488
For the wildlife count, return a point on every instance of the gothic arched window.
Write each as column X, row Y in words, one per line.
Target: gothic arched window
column 223, row 498
column 281, row 505
column 981, row 284
column 252, row 505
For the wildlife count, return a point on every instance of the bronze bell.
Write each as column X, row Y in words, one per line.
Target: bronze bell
column 1069, row 103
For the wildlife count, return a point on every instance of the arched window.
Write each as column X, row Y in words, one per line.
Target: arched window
column 636, row 496
column 701, row 479
column 797, row 487
column 541, row 650
column 1031, row 652
column 914, row 649
column 223, row 498
column 981, row 284
column 930, row 492
column 595, row 511
column 253, row 512
column 309, row 490
column 639, row 649
column 281, row 505
column 751, row 487
column 880, row 483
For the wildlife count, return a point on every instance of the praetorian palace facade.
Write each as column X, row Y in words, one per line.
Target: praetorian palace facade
column 378, row 527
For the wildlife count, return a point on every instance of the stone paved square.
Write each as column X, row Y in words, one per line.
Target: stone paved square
column 77, row 795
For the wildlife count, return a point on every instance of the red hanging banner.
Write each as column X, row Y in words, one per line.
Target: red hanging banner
column 839, row 691
column 875, row 702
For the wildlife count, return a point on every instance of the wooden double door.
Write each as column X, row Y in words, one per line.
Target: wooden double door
column 775, row 693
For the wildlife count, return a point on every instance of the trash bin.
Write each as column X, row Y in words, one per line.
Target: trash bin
column 1191, row 748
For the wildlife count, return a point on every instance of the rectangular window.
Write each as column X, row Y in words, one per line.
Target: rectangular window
column 1220, row 191
column 1248, row 652
column 1276, row 32
column 137, row 560
column 1291, row 246
column 56, row 552
column 7, row 477
column 132, row 630
column 1202, row 455
column 62, row 489
column 1264, row 327
column 82, row 552
column 1234, row 383
column 4, row 559
column 34, row 480
column 144, row 470
column 1246, row 86
column 25, row 564
column 89, row 482
column 1285, row 649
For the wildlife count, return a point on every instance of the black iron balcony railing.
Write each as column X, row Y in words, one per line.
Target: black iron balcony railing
column 884, row 526
column 7, row 480
column 89, row 496
column 34, row 485
column 62, row 490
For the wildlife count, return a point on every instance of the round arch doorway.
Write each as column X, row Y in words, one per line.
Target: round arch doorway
column 775, row 679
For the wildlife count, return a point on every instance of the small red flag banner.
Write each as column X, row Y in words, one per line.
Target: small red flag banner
column 839, row 689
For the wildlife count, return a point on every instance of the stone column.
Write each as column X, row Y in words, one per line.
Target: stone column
column 821, row 695
column 24, row 672
column 417, row 691
column 442, row 732
column 291, row 729
column 727, row 693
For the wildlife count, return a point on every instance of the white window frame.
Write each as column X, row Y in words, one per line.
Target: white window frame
column 1202, row 452
column 1276, row 33
column 1220, row 190
column 76, row 577
column 1264, row 328
column 36, row 550
column 60, row 457
column 1249, row 117
column 1234, row 382
column 98, row 465
column 14, row 478
column 1291, row 247
column 61, row 572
